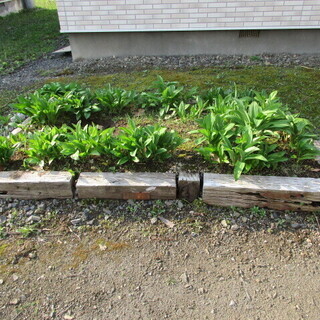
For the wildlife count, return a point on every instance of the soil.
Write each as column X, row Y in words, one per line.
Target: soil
column 141, row 271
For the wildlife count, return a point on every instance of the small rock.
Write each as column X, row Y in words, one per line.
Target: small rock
column 76, row 222
column 14, row 302
column 3, row 219
column 91, row 222
column 236, row 214
column 33, row 219
column 32, row 255
column 201, row 291
column 180, row 204
column 153, row 220
column 295, row 225
column 15, row 277
column 244, row 219
column 1, row 281
column 232, row 303
column 224, row 223
column 235, row 227
column 68, row 317
column 106, row 211
column 39, row 211
column 184, row 277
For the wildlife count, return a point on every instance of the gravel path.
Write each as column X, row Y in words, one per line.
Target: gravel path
column 52, row 66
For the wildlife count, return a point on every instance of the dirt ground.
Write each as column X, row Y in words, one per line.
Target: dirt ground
column 146, row 271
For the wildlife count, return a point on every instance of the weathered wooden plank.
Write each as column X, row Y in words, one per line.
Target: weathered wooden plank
column 188, row 186
column 35, row 184
column 280, row 193
column 142, row 186
column 317, row 144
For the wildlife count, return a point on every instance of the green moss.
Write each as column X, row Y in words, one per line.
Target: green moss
column 3, row 249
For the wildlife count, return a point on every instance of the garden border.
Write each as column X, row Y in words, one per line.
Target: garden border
column 281, row 193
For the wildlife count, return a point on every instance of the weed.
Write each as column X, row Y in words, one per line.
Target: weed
column 172, row 282
column 258, row 212
column 158, row 208
column 3, row 233
column 27, row 231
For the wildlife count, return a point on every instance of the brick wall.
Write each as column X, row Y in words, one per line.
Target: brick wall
column 156, row 15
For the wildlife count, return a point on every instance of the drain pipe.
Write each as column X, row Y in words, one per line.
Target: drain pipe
column 28, row 4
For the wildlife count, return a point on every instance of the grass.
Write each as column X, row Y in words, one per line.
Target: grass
column 28, row 35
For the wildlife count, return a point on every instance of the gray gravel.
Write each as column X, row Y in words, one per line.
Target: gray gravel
column 55, row 66
column 17, row 215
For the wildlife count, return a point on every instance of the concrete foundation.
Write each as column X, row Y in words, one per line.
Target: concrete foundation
column 105, row 44
column 11, row 6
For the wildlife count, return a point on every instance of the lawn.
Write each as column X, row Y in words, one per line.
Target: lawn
column 28, row 35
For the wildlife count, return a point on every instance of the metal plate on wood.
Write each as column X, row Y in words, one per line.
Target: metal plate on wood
column 189, row 186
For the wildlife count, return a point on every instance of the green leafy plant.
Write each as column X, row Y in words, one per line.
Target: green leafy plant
column 115, row 100
column 145, row 143
column 79, row 103
column 7, row 150
column 49, row 103
column 166, row 94
column 253, row 132
column 42, row 110
column 87, row 141
column 43, row 146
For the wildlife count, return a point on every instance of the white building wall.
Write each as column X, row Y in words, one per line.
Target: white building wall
column 185, row 15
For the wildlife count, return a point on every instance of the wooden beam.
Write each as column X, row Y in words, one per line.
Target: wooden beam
column 280, row 193
column 188, row 186
column 35, row 184
column 141, row 186
column 317, row 144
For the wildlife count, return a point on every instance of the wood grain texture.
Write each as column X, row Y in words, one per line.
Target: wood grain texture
column 140, row 186
column 188, row 186
column 35, row 185
column 280, row 193
column 317, row 144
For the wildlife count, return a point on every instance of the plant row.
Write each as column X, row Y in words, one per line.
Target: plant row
column 133, row 144
column 54, row 101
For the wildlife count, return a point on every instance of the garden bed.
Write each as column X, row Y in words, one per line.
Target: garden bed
column 166, row 128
